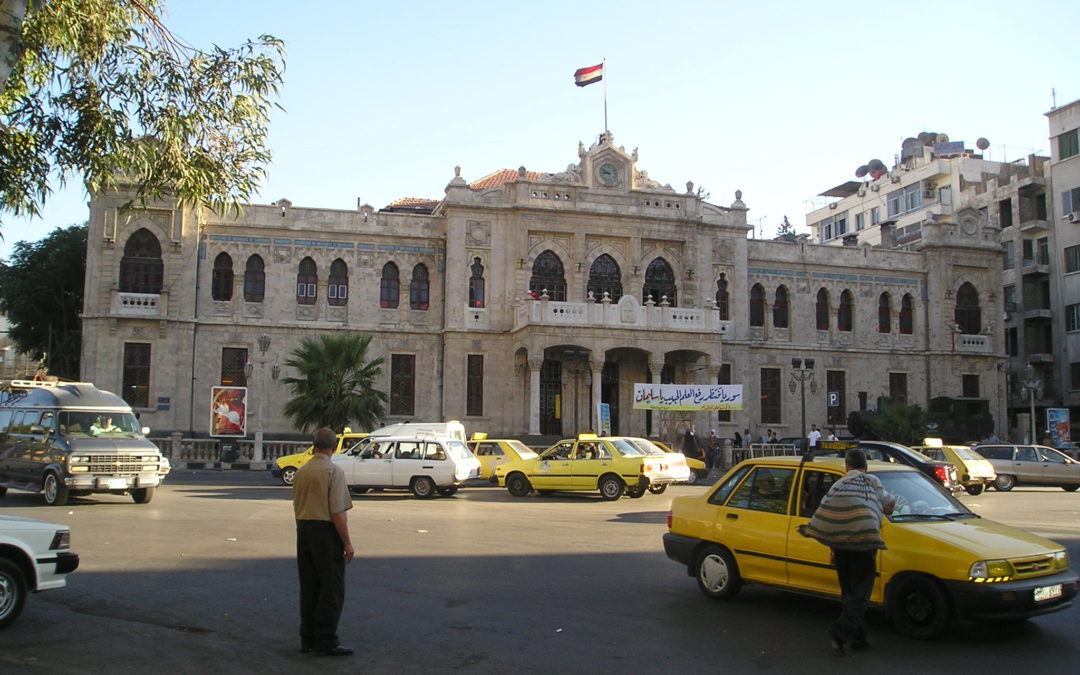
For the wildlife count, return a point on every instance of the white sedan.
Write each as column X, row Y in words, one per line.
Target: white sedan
column 34, row 556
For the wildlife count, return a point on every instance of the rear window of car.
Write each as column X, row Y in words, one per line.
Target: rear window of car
column 966, row 454
column 626, row 448
column 933, row 453
column 996, row 451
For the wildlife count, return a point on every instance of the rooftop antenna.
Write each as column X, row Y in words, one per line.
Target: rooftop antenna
column 1053, row 98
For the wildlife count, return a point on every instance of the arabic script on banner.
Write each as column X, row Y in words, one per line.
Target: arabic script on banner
column 688, row 396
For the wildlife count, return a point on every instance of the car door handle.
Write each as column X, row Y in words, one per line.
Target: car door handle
column 732, row 516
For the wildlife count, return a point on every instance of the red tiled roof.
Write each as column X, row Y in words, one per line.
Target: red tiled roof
column 502, row 176
column 413, row 201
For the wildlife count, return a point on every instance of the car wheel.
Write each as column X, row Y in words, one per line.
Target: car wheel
column 1070, row 488
column 518, row 485
column 56, row 493
column 658, row 489
column 13, row 591
column 919, row 608
column 143, row 495
column 611, row 488
column 447, row 491
column 975, row 490
column 717, row 573
column 288, row 474
column 635, row 492
column 1004, row 482
column 693, row 477
column 423, row 487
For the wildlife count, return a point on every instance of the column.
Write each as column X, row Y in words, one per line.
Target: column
column 663, row 433
column 596, row 368
column 534, row 394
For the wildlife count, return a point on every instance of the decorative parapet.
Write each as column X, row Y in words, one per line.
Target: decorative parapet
column 628, row 313
column 140, row 304
column 973, row 344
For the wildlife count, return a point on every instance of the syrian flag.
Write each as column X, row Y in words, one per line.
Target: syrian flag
column 586, row 76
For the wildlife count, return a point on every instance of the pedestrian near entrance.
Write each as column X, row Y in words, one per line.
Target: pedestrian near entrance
column 320, row 502
column 832, row 435
column 813, row 437
column 848, row 521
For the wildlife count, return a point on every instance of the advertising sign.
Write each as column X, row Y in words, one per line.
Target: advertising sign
column 228, row 411
column 688, row 396
column 1057, row 421
column 603, row 415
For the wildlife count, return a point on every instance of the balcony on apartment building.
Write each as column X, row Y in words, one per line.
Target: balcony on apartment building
column 152, row 305
column 628, row 313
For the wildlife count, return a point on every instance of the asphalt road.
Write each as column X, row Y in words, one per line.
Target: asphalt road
column 202, row 579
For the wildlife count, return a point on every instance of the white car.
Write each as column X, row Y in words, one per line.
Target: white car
column 34, row 556
column 425, row 466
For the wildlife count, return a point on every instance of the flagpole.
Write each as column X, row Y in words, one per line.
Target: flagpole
column 604, row 71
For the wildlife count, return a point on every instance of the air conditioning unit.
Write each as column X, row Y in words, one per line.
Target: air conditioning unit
column 929, row 193
column 832, row 205
column 875, row 187
column 1074, row 217
column 862, row 192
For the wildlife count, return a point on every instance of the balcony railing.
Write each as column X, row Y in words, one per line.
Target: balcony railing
column 140, row 304
column 976, row 344
column 627, row 313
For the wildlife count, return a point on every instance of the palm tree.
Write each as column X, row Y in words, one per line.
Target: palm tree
column 900, row 423
column 336, row 383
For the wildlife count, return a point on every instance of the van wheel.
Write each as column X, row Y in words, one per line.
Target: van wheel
column 447, row 491
column 919, row 608
column 288, row 474
column 975, row 490
column 611, row 488
column 1004, row 482
column 143, row 495
column 423, row 487
column 56, row 493
column 13, row 591
column 518, row 485
column 717, row 573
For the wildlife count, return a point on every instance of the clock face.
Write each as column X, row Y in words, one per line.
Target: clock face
column 608, row 173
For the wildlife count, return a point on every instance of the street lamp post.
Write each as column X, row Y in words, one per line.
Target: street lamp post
column 802, row 371
column 264, row 346
column 1032, row 384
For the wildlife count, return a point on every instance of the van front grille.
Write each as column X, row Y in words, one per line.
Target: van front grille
column 114, row 464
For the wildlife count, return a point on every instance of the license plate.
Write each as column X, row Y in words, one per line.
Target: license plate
column 117, row 484
column 1047, row 592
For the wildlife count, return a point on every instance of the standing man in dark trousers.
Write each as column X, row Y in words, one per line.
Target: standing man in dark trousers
column 320, row 502
column 848, row 521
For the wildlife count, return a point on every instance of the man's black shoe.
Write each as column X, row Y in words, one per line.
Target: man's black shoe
column 335, row 651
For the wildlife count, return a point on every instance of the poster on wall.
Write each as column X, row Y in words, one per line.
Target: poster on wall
column 228, row 411
column 688, row 396
column 603, row 415
column 1057, row 421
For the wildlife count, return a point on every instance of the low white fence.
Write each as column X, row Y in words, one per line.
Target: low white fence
column 186, row 453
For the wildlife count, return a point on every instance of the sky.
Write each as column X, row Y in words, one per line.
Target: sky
column 781, row 100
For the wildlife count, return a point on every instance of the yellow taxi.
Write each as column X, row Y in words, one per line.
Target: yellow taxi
column 974, row 471
column 614, row 465
column 943, row 561
column 492, row 452
column 285, row 467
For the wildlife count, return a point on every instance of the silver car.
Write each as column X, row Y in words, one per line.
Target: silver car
column 1031, row 465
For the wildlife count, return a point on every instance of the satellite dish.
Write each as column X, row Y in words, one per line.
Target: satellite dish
column 982, row 144
column 942, row 138
column 924, row 137
column 876, row 165
column 909, row 142
column 862, row 171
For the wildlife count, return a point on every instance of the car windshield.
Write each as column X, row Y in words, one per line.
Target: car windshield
column 95, row 424
column 522, row 450
column 919, row 498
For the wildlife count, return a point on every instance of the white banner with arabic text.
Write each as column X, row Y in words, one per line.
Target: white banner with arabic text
column 688, row 396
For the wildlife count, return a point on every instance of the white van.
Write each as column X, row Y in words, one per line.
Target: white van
column 426, row 464
column 451, row 429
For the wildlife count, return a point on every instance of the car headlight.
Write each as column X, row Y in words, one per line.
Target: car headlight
column 1061, row 560
column 78, row 458
column 80, row 469
column 990, row 571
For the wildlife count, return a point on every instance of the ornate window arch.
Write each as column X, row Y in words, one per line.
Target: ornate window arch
column 660, row 283
column 781, row 311
column 337, row 290
column 757, row 305
column 221, row 282
column 254, row 279
column 418, row 287
column 723, row 298
column 968, row 313
column 604, row 276
column 548, row 275
column 141, row 268
column 884, row 313
column 476, row 284
column 845, row 314
column 389, row 286
column 307, row 282
column 821, row 310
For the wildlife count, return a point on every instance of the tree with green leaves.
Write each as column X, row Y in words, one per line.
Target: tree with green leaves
column 41, row 294
column 899, row 423
column 336, row 383
column 102, row 91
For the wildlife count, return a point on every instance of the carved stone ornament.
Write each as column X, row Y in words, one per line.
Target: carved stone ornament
column 477, row 234
column 571, row 175
column 722, row 251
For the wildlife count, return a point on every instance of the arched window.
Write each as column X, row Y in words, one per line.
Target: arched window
column 418, row 288
column 722, row 298
column 884, row 313
column 476, row 284
column 968, row 314
column 844, row 315
column 907, row 315
column 780, row 308
column 222, row 281
column 141, row 269
column 389, row 286
column 659, row 283
column 547, row 275
column 337, row 291
column 604, row 276
column 757, row 305
column 821, row 310
column 307, row 282
column 254, row 280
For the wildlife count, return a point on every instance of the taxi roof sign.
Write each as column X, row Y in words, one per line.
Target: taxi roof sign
column 478, row 436
column 932, row 443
